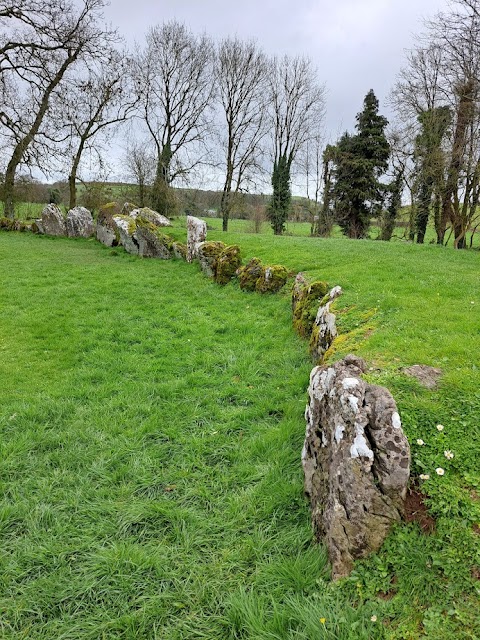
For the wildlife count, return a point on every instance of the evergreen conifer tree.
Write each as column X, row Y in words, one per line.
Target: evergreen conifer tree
column 361, row 159
column 282, row 195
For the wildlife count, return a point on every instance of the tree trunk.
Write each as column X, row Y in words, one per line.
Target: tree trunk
column 23, row 144
column 423, row 210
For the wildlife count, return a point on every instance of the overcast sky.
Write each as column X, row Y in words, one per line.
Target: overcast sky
column 356, row 45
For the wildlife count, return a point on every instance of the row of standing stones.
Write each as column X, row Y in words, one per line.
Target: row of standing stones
column 356, row 458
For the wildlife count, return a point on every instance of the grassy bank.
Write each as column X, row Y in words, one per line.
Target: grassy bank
column 152, row 424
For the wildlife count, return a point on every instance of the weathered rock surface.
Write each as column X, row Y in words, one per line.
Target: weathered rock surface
column 127, row 208
column 179, row 250
column 356, row 461
column 106, row 230
column 208, row 254
column 196, row 233
column 151, row 242
column 324, row 330
column 249, row 274
column 52, row 222
column 227, row 264
column 126, row 227
column 273, row 278
column 305, row 300
column 148, row 214
column 426, row 376
column 79, row 223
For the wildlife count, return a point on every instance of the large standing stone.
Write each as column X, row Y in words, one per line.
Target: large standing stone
column 196, row 233
column 324, row 330
column 52, row 221
column 356, row 461
column 150, row 215
column 79, row 223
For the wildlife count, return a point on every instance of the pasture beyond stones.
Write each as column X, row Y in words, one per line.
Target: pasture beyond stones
column 151, row 430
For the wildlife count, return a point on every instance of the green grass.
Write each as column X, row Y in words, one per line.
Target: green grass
column 152, row 422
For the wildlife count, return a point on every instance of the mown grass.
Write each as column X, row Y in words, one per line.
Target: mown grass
column 152, row 423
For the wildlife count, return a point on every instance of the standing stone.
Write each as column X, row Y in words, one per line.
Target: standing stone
column 79, row 223
column 305, row 299
column 196, row 233
column 52, row 222
column 272, row 279
column 324, row 330
column 356, row 461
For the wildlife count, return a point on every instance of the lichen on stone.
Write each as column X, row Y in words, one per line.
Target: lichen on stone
column 273, row 279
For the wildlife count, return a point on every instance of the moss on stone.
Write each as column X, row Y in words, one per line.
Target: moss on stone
column 179, row 250
column 249, row 274
column 305, row 304
column 208, row 254
column 227, row 264
column 273, row 279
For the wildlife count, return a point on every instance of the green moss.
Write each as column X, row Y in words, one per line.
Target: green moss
column 305, row 305
column 213, row 249
column 249, row 274
column 7, row 224
column 208, row 254
column 273, row 279
column 227, row 264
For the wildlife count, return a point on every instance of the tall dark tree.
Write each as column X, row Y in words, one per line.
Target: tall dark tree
column 361, row 159
column 282, row 195
column 389, row 217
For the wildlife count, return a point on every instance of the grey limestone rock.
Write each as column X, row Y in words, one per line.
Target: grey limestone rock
column 52, row 221
column 151, row 242
column 79, row 223
column 126, row 227
column 324, row 329
column 356, row 462
column 196, row 233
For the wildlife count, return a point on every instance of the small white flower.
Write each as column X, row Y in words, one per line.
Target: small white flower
column 440, row 471
column 373, row 618
column 424, row 476
column 440, row 427
column 13, row 416
column 420, row 442
column 448, row 454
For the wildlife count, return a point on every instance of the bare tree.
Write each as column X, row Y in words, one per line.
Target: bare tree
column 41, row 40
column 140, row 164
column 241, row 73
column 92, row 107
column 297, row 108
column 174, row 78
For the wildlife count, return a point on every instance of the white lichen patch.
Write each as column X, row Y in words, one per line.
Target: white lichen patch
column 353, row 402
column 360, row 448
column 122, row 224
column 350, row 383
column 396, row 422
column 339, row 429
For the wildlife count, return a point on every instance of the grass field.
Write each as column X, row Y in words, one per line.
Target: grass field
column 152, row 423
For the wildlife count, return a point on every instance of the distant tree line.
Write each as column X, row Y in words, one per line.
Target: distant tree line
column 191, row 105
